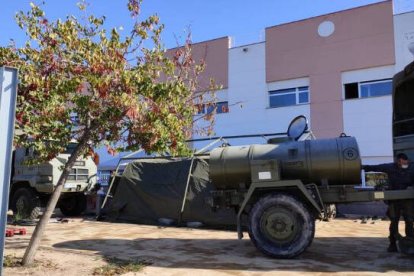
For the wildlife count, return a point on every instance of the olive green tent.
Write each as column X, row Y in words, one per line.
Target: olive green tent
column 151, row 191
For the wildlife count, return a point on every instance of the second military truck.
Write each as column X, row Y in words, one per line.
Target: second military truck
column 32, row 185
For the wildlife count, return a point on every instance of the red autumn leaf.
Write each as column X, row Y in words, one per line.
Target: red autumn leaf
column 19, row 117
column 132, row 113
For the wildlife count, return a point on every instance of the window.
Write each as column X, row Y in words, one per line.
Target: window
column 374, row 89
column 78, row 175
column 74, row 118
column 289, row 97
column 70, row 148
column 201, row 109
column 351, row 91
column 219, row 107
column 368, row 89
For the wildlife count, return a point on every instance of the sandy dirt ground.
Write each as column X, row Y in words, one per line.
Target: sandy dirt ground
column 340, row 247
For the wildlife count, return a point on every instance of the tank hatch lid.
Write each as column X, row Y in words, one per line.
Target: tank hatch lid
column 297, row 127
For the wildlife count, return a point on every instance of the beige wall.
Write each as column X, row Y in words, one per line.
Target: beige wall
column 215, row 53
column 363, row 38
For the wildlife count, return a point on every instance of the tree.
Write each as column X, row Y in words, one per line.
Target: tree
column 121, row 94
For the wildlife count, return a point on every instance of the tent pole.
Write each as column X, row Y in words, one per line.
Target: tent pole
column 110, row 185
column 115, row 174
column 209, row 145
column 185, row 192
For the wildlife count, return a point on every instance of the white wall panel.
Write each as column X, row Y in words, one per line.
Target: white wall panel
column 369, row 120
column 248, row 98
column 377, row 73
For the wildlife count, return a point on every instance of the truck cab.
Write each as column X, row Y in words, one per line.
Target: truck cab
column 32, row 185
column 403, row 111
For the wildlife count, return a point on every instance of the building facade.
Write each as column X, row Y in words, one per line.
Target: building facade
column 335, row 69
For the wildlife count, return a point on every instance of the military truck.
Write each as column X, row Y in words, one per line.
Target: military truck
column 279, row 189
column 403, row 111
column 32, row 185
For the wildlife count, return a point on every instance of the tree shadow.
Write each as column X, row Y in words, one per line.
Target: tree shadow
column 342, row 254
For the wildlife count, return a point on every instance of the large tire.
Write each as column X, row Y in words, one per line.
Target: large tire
column 73, row 206
column 280, row 226
column 25, row 203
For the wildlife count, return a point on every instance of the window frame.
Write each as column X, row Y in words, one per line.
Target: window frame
column 289, row 91
column 79, row 174
column 210, row 107
column 362, row 83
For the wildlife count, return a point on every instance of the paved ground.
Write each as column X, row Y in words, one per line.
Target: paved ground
column 341, row 247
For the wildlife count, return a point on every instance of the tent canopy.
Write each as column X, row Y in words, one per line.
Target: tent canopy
column 154, row 189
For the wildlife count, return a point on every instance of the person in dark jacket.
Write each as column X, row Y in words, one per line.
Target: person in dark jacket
column 400, row 177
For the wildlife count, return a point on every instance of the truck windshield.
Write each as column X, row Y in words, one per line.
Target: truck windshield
column 70, row 148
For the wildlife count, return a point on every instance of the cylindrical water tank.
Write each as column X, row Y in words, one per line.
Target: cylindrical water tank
column 333, row 161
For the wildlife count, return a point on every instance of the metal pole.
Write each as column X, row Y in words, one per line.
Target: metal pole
column 201, row 151
column 185, row 191
column 238, row 136
column 8, row 93
column 113, row 178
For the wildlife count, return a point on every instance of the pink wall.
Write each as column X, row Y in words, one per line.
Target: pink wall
column 215, row 53
column 363, row 38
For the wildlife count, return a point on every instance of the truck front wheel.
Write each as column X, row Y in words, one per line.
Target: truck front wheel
column 25, row 204
column 73, row 206
column 280, row 226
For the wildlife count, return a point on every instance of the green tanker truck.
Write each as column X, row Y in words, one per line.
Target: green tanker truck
column 279, row 189
column 282, row 188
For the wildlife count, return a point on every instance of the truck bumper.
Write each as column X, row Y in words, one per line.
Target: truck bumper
column 67, row 188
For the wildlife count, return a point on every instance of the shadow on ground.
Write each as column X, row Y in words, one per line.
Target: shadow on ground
column 324, row 255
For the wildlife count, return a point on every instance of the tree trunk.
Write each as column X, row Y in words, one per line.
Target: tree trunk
column 41, row 225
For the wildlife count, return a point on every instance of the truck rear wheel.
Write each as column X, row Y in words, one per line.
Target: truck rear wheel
column 25, row 204
column 280, row 226
column 73, row 206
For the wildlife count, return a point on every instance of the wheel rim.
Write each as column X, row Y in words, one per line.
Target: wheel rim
column 279, row 225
